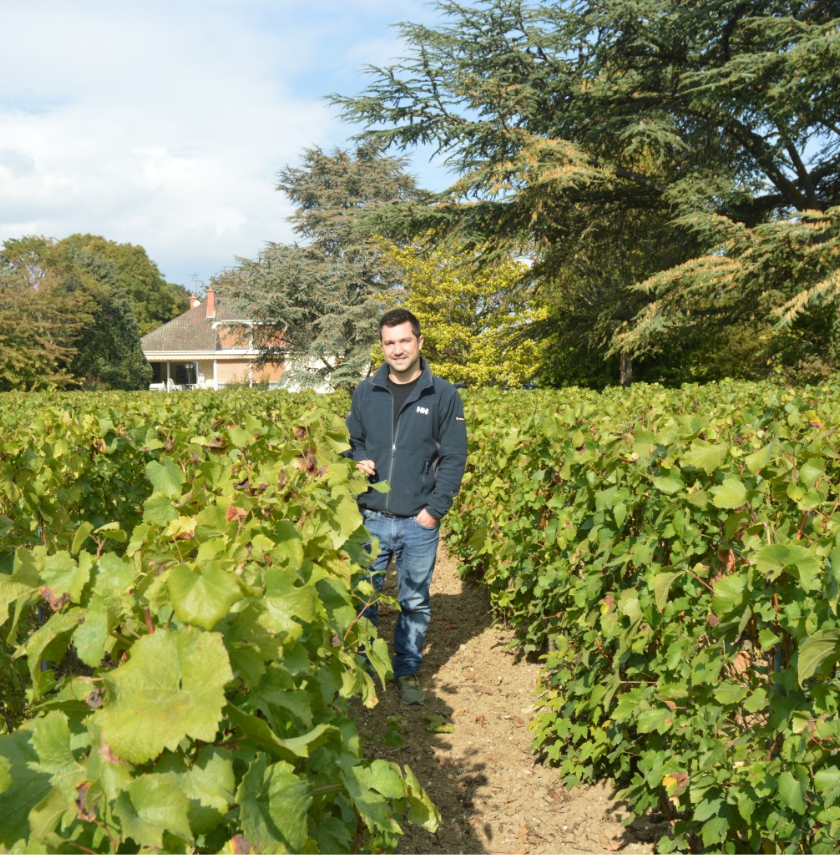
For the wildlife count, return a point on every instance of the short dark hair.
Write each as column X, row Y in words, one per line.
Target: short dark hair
column 395, row 317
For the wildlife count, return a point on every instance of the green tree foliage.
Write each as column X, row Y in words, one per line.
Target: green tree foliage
column 111, row 357
column 319, row 301
column 469, row 317
column 780, row 278
column 588, row 284
column 103, row 341
column 153, row 300
column 36, row 335
column 651, row 118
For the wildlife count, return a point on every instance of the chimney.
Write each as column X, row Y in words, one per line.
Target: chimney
column 195, row 302
column 211, row 303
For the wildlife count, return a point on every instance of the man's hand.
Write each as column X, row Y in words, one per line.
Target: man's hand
column 368, row 467
column 426, row 519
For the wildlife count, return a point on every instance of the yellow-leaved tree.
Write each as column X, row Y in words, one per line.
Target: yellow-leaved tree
column 470, row 314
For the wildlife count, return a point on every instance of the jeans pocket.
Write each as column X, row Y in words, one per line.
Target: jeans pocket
column 426, row 527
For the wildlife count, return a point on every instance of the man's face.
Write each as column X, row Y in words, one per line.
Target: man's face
column 401, row 349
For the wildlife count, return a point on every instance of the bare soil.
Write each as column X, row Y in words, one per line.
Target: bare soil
column 491, row 790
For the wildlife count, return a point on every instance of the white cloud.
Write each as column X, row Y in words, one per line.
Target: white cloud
column 165, row 123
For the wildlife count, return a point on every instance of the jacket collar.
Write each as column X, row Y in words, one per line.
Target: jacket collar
column 380, row 378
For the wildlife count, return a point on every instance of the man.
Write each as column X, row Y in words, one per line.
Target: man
column 407, row 428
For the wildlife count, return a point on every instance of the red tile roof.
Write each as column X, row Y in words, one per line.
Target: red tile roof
column 190, row 332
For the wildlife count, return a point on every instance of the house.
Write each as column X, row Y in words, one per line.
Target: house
column 205, row 348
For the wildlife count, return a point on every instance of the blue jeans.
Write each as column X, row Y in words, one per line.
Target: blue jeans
column 414, row 548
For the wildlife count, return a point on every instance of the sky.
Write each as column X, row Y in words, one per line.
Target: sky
column 164, row 123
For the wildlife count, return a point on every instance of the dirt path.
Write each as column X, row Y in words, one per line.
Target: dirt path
column 482, row 775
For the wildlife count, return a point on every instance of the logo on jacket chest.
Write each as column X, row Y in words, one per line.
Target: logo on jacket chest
column 423, row 410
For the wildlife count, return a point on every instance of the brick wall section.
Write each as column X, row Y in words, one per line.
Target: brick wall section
column 232, row 371
column 233, row 337
column 269, row 373
column 236, row 371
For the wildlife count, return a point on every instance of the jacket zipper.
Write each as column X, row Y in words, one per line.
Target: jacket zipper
column 395, row 429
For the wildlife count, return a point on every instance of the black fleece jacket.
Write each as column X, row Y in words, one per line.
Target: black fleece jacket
column 422, row 456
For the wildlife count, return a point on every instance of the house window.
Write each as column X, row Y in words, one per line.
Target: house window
column 184, row 373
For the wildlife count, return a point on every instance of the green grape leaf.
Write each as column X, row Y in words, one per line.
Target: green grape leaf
column 291, row 748
column 438, row 724
column 51, row 740
column 112, row 531
column 792, row 792
column 342, row 519
column 759, row 459
column 371, row 805
column 704, row 455
column 29, row 785
column 288, row 549
column 203, row 595
column 730, row 494
column 729, row 593
column 5, row 778
column 421, row 811
column 62, row 575
column 628, row 604
column 158, row 510
column 208, row 781
column 661, row 585
column 659, row 720
column 113, row 576
column 296, row 702
column 332, row 835
column 668, row 484
column 384, row 777
column 730, row 693
column 151, row 807
column 240, row 438
column 827, row 781
column 45, row 817
column 708, row 807
column 171, row 687
column 822, row 646
column 834, row 563
column 273, row 806
column 23, row 582
column 698, row 498
column 247, row 663
column 756, row 702
column 111, row 773
column 49, row 644
column 811, row 471
column 714, row 832
column 166, row 477
column 91, row 638
column 746, row 806
column 285, row 601
column 209, row 785
column 775, row 558
column 81, row 536
column 379, row 657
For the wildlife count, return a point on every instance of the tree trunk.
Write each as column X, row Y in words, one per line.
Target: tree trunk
column 626, row 370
